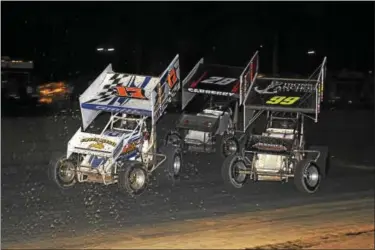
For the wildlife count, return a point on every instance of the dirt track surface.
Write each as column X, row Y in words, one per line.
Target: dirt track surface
column 281, row 228
column 34, row 211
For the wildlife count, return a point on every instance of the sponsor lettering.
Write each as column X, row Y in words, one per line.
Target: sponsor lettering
column 110, row 109
column 98, row 141
column 123, row 110
column 211, row 92
column 279, row 86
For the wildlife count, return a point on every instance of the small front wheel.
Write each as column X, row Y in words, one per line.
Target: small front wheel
column 233, row 171
column 228, row 145
column 63, row 172
column 307, row 177
column 133, row 179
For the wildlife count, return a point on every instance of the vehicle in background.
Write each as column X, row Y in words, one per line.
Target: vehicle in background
column 16, row 81
column 350, row 90
column 19, row 86
column 213, row 118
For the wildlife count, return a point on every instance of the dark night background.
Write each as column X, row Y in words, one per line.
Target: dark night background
column 62, row 37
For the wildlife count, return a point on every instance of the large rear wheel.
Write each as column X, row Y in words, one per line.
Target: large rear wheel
column 173, row 162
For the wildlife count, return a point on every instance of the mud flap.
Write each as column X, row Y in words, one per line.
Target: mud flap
column 323, row 161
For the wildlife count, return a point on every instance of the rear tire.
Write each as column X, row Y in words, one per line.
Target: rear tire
column 229, row 171
column 173, row 163
column 307, row 177
column 133, row 179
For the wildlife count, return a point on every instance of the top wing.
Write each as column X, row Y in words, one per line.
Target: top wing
column 130, row 94
column 215, row 80
column 123, row 93
column 282, row 94
column 288, row 94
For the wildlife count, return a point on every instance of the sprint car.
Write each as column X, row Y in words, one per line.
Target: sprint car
column 125, row 151
column 279, row 152
column 211, row 100
column 16, row 81
column 19, row 85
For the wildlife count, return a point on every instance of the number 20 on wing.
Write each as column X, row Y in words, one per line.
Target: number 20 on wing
column 282, row 100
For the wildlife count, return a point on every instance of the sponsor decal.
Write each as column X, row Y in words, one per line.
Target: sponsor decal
column 211, row 92
column 98, row 142
column 172, row 78
column 97, row 145
column 123, row 109
column 130, row 147
column 279, row 86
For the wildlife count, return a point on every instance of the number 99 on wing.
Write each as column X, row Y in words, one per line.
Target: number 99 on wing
column 283, row 100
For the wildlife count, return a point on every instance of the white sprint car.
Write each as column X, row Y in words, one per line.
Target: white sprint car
column 125, row 151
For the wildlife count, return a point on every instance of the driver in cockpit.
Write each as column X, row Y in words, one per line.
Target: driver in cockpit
column 125, row 124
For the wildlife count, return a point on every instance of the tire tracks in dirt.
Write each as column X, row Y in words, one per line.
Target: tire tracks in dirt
column 286, row 226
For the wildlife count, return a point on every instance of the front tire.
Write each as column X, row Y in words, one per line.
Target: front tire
column 133, row 179
column 230, row 171
column 63, row 172
column 227, row 145
column 307, row 177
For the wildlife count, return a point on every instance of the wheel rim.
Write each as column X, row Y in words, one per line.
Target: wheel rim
column 236, row 176
column 137, row 179
column 176, row 164
column 65, row 173
column 230, row 147
column 173, row 140
column 311, row 176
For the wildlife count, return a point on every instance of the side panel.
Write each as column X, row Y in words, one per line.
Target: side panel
column 321, row 81
column 167, row 88
column 320, row 87
column 248, row 77
column 89, row 115
column 153, row 110
column 160, row 100
column 186, row 95
column 171, row 76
